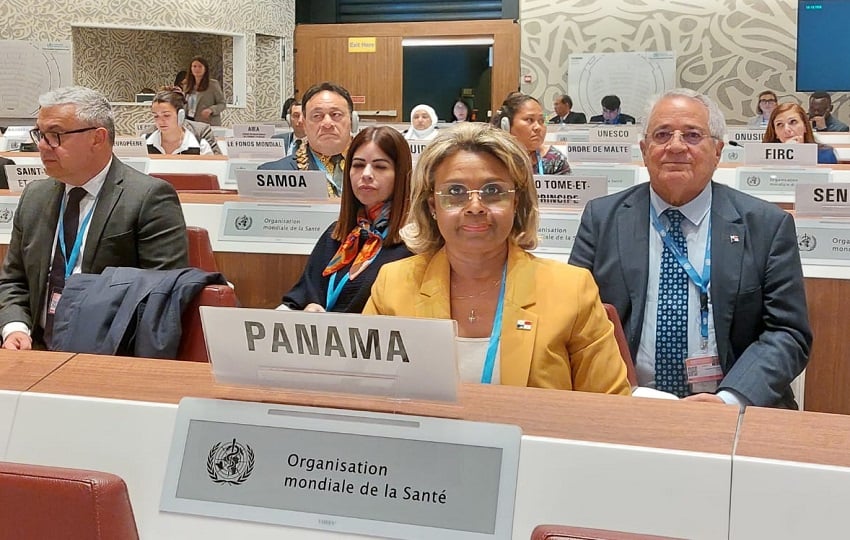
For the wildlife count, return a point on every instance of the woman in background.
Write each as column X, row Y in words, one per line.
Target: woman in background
column 461, row 111
column 171, row 136
column 522, row 320
column 204, row 98
column 423, row 124
column 375, row 200
column 764, row 107
column 789, row 123
column 522, row 116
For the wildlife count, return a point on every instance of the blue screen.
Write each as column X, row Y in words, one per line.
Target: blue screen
column 823, row 45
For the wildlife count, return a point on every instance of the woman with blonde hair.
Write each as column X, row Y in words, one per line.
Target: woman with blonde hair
column 522, row 320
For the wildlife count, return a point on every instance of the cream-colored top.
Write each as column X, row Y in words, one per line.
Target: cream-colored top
column 471, row 353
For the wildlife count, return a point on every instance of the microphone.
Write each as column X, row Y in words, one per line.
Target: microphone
column 735, row 143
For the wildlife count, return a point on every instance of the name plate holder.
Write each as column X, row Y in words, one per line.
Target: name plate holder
column 611, row 133
column 283, row 185
column 569, row 192
column 275, row 222
column 764, row 181
column 130, row 147
column 822, row 217
column 557, row 231
column 781, row 155
column 745, row 136
column 600, row 152
column 253, row 131
column 416, row 149
column 239, row 164
column 344, row 471
column 8, row 207
column 251, row 148
column 21, row 175
column 392, row 357
column 619, row 176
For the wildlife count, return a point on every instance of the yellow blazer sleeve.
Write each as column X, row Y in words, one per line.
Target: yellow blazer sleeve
column 373, row 304
column 595, row 359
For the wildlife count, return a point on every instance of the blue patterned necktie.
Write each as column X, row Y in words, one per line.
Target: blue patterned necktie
column 671, row 337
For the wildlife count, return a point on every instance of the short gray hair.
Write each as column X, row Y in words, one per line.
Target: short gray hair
column 716, row 121
column 92, row 107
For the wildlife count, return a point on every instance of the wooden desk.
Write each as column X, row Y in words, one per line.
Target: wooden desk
column 790, row 476
column 589, row 460
column 21, row 370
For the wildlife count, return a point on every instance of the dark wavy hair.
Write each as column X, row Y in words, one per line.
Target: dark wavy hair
column 392, row 143
column 189, row 81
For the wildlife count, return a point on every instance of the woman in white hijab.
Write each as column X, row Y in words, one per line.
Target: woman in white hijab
column 423, row 124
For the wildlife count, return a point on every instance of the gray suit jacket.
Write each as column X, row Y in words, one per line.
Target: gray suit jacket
column 137, row 221
column 757, row 293
column 211, row 98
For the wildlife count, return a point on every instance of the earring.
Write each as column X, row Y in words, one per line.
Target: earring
column 434, row 215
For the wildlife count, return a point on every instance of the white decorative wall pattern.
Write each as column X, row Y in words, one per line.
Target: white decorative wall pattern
column 53, row 20
column 728, row 49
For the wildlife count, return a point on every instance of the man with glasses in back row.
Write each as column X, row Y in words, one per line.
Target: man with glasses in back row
column 93, row 212
column 706, row 279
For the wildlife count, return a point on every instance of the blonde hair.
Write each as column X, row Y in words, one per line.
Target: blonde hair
column 421, row 233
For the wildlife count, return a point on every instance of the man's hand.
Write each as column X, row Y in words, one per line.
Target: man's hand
column 18, row 341
column 819, row 122
column 705, row 398
column 314, row 308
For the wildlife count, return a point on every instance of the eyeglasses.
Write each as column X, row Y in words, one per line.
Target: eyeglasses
column 767, row 101
column 52, row 137
column 692, row 137
column 456, row 196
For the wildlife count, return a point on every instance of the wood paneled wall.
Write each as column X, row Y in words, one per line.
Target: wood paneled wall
column 321, row 54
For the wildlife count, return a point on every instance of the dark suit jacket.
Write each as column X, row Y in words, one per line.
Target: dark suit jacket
column 572, row 118
column 137, row 221
column 4, row 182
column 622, row 119
column 760, row 317
column 211, row 98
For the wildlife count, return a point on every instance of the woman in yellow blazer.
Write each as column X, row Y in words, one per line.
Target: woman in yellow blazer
column 522, row 320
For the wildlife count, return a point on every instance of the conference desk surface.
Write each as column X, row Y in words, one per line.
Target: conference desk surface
column 584, row 416
column 21, row 370
column 692, row 470
column 117, row 415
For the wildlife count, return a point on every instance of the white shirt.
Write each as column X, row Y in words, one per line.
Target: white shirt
column 189, row 141
column 87, row 203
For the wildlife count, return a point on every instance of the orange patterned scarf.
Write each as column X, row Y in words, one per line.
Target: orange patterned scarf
column 363, row 242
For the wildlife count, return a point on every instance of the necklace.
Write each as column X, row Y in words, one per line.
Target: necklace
column 472, row 317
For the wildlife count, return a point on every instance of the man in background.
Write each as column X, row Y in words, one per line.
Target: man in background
column 820, row 113
column 93, row 212
column 611, row 113
column 328, row 115
column 564, row 113
column 707, row 280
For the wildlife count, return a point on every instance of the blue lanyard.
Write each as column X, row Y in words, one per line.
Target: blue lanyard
column 702, row 282
column 324, row 169
column 495, row 333
column 334, row 290
column 539, row 162
column 71, row 262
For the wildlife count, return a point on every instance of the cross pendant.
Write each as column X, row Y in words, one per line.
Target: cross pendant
column 472, row 318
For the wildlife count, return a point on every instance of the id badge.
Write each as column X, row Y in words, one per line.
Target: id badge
column 704, row 373
column 55, row 295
